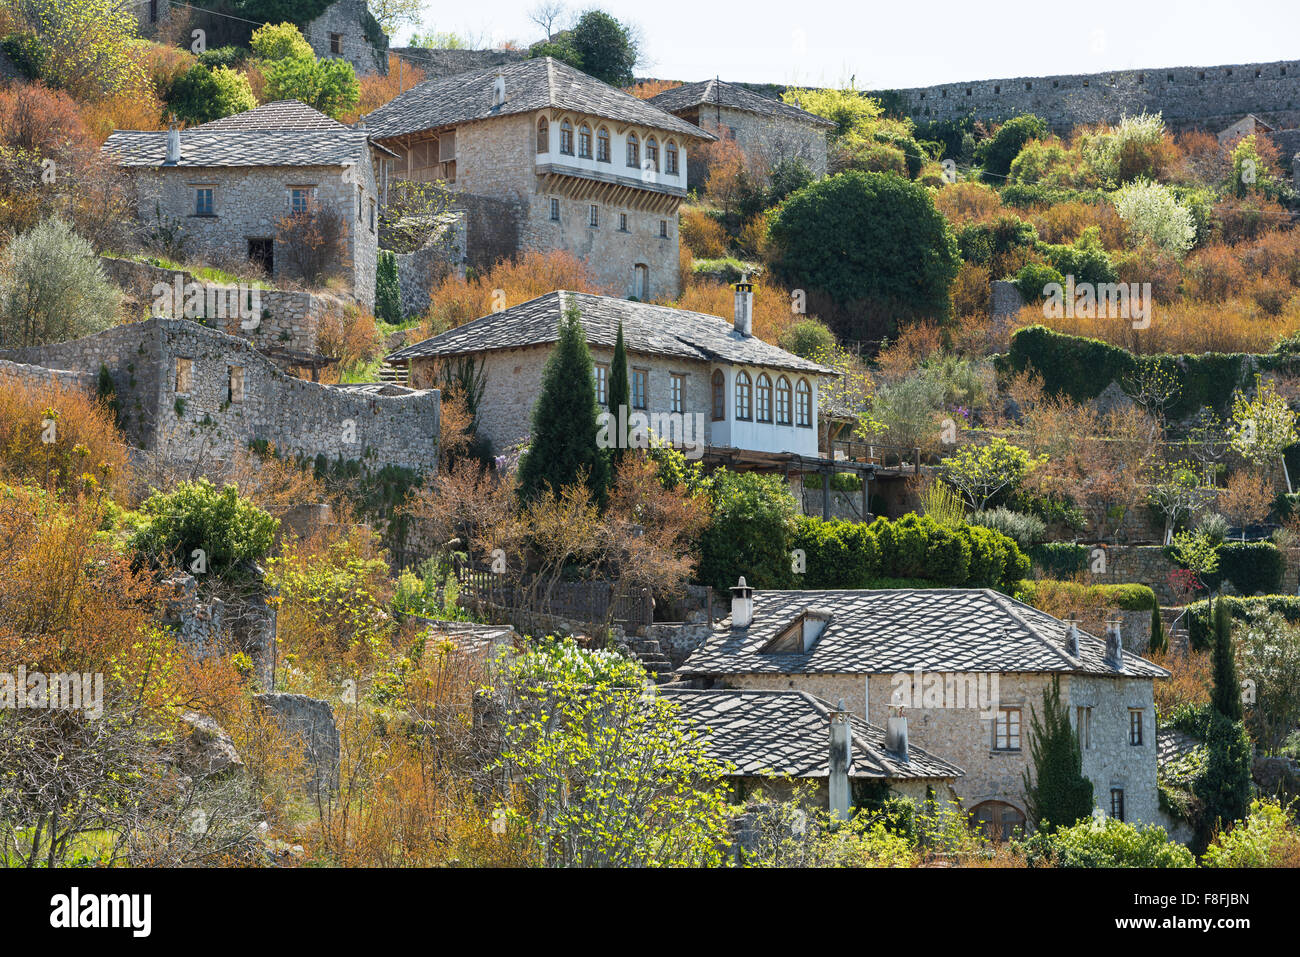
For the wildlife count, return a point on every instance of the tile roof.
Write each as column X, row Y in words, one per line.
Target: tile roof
column 1173, row 745
column 734, row 97
column 648, row 329
column 534, row 84
column 277, row 115
column 887, row 631
column 205, row 148
column 787, row 734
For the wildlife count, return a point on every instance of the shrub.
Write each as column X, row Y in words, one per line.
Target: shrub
column 1085, row 259
column 838, row 554
column 1254, row 568
column 750, row 533
column 918, row 547
column 1023, row 529
column 1034, row 278
column 388, row 291
column 1199, row 626
column 1060, row 559
column 1106, row 843
column 996, row 153
column 198, row 516
column 200, row 95
column 1154, row 216
column 1266, row 838
column 1128, row 596
column 702, row 234
column 808, row 338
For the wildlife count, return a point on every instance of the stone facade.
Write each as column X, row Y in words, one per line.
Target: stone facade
column 196, row 395
column 1209, row 97
column 418, row 272
column 249, row 201
column 965, row 738
column 436, row 63
column 767, row 138
column 347, row 31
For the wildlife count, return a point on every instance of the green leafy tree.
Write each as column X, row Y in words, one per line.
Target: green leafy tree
column 1226, row 696
column 1267, row 837
column 1225, row 788
column 751, row 531
column 1106, row 843
column 200, row 95
column 1270, row 660
column 563, row 447
column 598, row 45
column 867, row 237
column 388, row 291
column 87, row 47
column 1261, row 426
column 807, row 337
column 1058, row 795
column 620, row 392
column 981, row 472
column 198, row 522
column 996, row 153
column 292, row 71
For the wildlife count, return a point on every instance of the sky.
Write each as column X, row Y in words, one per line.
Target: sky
column 902, row 44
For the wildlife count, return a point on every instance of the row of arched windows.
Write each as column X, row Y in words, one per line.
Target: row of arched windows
column 754, row 400
column 584, row 146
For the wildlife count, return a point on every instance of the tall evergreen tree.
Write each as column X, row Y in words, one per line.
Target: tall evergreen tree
column 388, row 291
column 620, row 395
column 1059, row 794
column 1159, row 640
column 563, row 444
column 1227, row 686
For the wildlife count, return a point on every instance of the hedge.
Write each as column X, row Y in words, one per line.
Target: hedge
column 1128, row 597
column 1060, row 559
column 1081, row 368
column 1252, row 567
column 1200, row 629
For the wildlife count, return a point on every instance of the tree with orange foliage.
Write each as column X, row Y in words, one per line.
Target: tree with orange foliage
column 645, row 89
column 774, row 307
column 1246, row 499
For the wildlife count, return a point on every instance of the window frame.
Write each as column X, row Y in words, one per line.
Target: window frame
column 1117, row 803
column 784, row 391
column 677, row 392
column 1004, row 728
column 622, row 223
column 184, row 376
column 763, row 399
column 543, row 135
column 803, row 414
column 231, row 376
column 600, row 372
column 744, row 390
column 671, row 165
column 602, row 145
column 593, row 216
column 305, row 193
column 1083, row 726
column 633, row 144
column 718, row 383
column 652, row 153
column 555, row 209
column 566, row 138
column 211, row 209
column 584, row 142
column 640, row 388
column 1136, row 720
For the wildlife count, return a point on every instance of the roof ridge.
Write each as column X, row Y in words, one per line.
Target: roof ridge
column 1006, row 602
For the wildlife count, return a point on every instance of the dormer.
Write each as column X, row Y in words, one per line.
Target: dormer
column 801, row 634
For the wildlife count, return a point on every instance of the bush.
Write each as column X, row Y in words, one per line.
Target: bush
column 1128, row 597
column 1033, row 279
column 750, row 533
column 200, row 95
column 1153, row 215
column 808, row 338
column 838, row 554
column 1253, row 568
column 228, row 529
column 702, row 234
column 388, row 291
column 1023, row 529
column 1106, row 843
column 1060, row 559
column 996, row 153
column 960, row 556
column 1085, row 259
column 1200, row 628
column 1267, row 838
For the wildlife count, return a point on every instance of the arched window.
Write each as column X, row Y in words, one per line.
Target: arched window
column 566, row 138
column 997, row 819
column 670, row 158
column 803, row 404
column 764, row 398
column 633, row 150
column 602, row 145
column 584, row 142
column 719, row 395
column 783, row 401
column 652, row 154
column 744, row 397
column 543, row 136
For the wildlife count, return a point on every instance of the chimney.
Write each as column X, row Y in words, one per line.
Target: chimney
column 1114, row 645
column 742, row 604
column 745, row 306
column 841, row 757
column 1072, row 638
column 499, row 90
column 173, row 144
column 896, row 734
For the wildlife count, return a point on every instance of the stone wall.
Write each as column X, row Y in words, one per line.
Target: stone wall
column 419, row 271
column 311, row 721
column 236, row 397
column 1210, row 97
column 289, row 319
column 347, row 19
column 1005, row 301
column 768, row 138
column 439, row 63
column 1147, row 565
column 16, row 372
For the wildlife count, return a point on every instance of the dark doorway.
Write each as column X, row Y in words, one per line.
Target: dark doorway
column 262, row 252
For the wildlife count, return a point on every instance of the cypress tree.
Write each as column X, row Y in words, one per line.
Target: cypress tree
column 563, row 443
column 1059, row 795
column 1159, row 640
column 620, row 395
column 1227, row 686
column 388, row 291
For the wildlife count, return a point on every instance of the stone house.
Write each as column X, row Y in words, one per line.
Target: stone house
column 764, row 127
column 964, row 669
column 194, row 395
column 542, row 157
column 346, row 30
column 228, row 186
column 778, row 739
column 705, row 384
column 1248, row 125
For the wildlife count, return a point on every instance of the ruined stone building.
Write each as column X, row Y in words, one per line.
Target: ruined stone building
column 347, row 30
column 962, row 668
column 764, row 127
column 230, row 188
column 194, row 396
column 544, row 157
column 728, row 392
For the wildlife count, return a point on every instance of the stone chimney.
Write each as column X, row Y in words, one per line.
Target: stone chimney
column 1114, row 645
column 173, row 144
column 841, row 758
column 499, row 90
column 742, row 604
column 1072, row 638
column 745, row 306
column 896, row 734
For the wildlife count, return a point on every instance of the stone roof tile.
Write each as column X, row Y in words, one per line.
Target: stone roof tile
column 721, row 93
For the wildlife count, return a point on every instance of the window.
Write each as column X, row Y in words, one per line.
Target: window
column 803, row 404
column 361, row 195
column 235, row 384
column 678, row 386
column 601, row 372
column 719, row 395
column 652, row 154
column 566, row 138
column 1083, row 725
column 1006, row 730
column 184, row 375
column 783, row 401
column 641, row 281
column 764, row 398
column 372, row 215
column 663, row 229
column 622, row 222
column 593, row 216
column 670, row 158
column 555, row 209
column 203, row 201
column 744, row 396
column 633, row 150
column 336, row 44
column 639, row 390
column 997, row 819
column 1135, row 726
column 602, row 145
column 543, row 136
column 584, row 142
column 1117, row 803
column 299, row 199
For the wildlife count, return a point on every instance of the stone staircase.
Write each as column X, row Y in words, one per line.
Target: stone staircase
column 652, row 658
column 395, row 373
